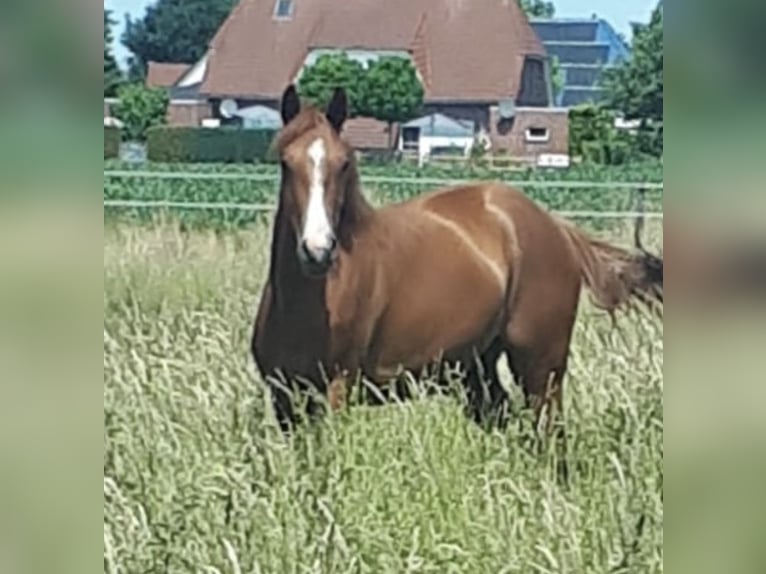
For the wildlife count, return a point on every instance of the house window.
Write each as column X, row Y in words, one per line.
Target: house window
column 283, row 9
column 410, row 139
column 537, row 135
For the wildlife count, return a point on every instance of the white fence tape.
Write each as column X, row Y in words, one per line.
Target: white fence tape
column 263, row 207
column 266, row 208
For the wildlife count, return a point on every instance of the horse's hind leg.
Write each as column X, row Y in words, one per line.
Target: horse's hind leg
column 487, row 399
column 543, row 385
column 544, row 392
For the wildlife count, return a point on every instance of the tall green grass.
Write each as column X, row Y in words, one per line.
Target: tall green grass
column 197, row 479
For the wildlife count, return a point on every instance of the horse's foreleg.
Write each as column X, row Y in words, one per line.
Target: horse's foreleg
column 337, row 392
column 282, row 404
column 295, row 400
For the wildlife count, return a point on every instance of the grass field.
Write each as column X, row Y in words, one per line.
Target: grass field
column 197, row 480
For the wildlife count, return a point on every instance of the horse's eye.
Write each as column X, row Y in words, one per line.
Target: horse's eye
column 284, row 165
column 345, row 166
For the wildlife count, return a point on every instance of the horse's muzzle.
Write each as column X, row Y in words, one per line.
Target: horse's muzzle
column 317, row 260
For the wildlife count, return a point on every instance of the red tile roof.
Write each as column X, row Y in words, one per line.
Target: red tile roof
column 162, row 75
column 465, row 50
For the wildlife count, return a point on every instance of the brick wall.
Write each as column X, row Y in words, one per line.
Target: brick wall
column 187, row 114
column 510, row 136
column 182, row 115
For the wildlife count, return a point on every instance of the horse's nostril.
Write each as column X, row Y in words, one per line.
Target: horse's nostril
column 320, row 255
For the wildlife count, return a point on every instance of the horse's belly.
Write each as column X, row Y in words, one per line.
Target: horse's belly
column 443, row 314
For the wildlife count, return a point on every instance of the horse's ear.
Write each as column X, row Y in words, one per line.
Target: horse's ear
column 291, row 104
column 337, row 111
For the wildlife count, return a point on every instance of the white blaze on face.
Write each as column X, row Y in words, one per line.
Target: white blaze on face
column 317, row 231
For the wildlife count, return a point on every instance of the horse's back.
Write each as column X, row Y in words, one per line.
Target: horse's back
column 544, row 276
column 542, row 303
column 448, row 263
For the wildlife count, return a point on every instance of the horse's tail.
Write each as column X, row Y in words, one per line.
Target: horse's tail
column 614, row 276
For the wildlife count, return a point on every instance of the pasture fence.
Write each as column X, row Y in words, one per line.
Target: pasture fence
column 254, row 193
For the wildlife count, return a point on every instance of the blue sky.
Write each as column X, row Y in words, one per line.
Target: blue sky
column 620, row 13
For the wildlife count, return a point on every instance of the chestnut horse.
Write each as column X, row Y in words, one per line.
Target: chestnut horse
column 461, row 275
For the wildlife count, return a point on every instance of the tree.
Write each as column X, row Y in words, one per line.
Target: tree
column 112, row 74
column 594, row 138
column 318, row 81
column 538, row 8
column 140, row 108
column 558, row 77
column 635, row 87
column 391, row 92
column 177, row 31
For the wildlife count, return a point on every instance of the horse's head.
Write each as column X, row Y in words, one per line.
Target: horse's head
column 317, row 167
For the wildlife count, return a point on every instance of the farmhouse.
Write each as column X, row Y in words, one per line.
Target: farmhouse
column 482, row 67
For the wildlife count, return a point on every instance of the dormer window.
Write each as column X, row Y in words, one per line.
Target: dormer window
column 283, row 9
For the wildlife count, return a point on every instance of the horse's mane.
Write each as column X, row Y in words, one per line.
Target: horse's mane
column 308, row 119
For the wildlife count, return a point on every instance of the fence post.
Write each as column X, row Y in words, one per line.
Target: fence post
column 640, row 211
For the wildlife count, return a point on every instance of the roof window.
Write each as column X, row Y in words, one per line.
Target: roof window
column 283, row 9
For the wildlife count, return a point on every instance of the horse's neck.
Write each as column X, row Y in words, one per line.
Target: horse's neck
column 298, row 311
column 293, row 290
column 356, row 214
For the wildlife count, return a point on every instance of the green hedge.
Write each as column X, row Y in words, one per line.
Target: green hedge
column 593, row 137
column 646, row 171
column 111, row 143
column 221, row 145
column 263, row 189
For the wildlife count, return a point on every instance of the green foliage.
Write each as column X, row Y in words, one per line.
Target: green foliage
column 388, row 90
column 111, row 142
column 538, row 8
column 204, row 145
column 140, row 108
column 318, row 82
column 391, row 90
column 479, row 151
column 262, row 188
column 173, row 31
column 635, row 88
column 558, row 77
column 594, row 138
column 112, row 73
column 196, row 478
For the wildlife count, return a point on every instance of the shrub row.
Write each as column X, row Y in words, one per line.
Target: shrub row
column 205, row 145
column 649, row 171
column 594, row 138
column 111, row 143
column 233, row 191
